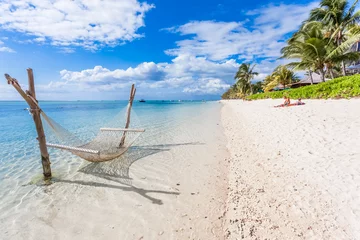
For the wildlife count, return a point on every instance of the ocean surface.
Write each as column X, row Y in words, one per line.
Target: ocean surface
column 20, row 166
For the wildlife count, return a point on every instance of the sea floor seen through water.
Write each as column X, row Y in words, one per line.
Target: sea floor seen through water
column 156, row 187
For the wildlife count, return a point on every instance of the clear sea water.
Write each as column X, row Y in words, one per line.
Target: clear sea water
column 20, row 166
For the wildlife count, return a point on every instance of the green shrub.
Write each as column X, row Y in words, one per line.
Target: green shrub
column 343, row 87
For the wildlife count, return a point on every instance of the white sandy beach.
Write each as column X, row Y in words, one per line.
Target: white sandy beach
column 276, row 173
column 294, row 172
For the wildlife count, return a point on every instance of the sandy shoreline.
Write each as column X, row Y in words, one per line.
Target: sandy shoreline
column 294, row 172
column 169, row 186
column 251, row 172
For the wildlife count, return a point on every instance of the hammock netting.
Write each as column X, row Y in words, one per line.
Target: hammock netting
column 108, row 144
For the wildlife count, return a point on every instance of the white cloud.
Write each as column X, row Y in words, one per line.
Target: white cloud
column 40, row 39
column 89, row 24
column 257, row 40
column 98, row 74
column 5, row 49
column 215, row 40
column 67, row 50
column 208, row 86
column 185, row 72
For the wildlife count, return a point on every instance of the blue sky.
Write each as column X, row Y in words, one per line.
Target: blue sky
column 169, row 49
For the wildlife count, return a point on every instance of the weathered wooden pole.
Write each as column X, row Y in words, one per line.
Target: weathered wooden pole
column 31, row 90
column 128, row 113
column 35, row 110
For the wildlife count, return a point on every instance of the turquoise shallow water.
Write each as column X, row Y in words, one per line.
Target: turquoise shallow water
column 19, row 154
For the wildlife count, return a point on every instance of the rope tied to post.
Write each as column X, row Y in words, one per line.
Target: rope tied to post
column 32, row 110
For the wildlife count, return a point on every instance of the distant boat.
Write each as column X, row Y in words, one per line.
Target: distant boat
column 142, row 100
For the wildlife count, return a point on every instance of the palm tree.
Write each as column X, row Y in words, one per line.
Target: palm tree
column 315, row 51
column 338, row 19
column 230, row 93
column 270, row 82
column 311, row 76
column 257, row 87
column 284, row 76
column 281, row 75
column 243, row 77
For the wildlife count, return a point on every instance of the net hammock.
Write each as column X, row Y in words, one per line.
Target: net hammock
column 108, row 144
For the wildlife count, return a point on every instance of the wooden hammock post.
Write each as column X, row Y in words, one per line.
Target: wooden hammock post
column 31, row 83
column 128, row 113
column 30, row 98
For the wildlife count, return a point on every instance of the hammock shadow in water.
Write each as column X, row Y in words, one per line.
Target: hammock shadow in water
column 117, row 170
column 141, row 191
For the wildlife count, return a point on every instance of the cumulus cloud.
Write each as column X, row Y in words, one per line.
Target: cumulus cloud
column 261, row 37
column 204, row 62
column 99, row 74
column 89, row 24
column 208, row 86
column 4, row 48
column 184, row 72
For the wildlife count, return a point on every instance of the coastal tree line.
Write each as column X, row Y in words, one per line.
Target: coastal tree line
column 322, row 45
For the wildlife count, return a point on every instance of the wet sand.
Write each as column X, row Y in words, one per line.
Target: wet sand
column 170, row 185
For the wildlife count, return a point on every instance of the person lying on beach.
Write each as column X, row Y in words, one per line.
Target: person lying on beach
column 286, row 102
column 299, row 102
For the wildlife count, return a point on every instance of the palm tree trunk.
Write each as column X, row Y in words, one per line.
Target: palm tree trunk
column 251, row 90
column 331, row 73
column 339, row 41
column 343, row 68
column 322, row 74
column 357, row 50
column 311, row 77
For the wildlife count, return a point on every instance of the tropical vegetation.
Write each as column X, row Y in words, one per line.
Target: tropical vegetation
column 342, row 87
column 315, row 51
column 340, row 22
column 322, row 45
column 281, row 76
column 243, row 78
